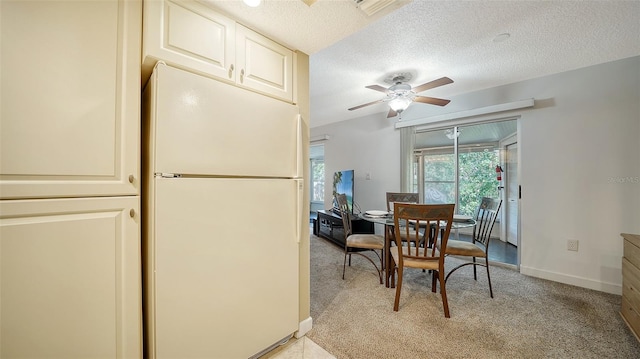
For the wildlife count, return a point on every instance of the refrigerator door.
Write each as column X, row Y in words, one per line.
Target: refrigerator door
column 225, row 258
column 206, row 127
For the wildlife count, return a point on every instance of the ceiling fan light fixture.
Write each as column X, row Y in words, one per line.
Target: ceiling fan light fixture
column 400, row 95
column 399, row 103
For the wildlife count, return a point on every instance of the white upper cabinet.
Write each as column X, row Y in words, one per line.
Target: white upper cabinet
column 70, row 104
column 188, row 34
column 195, row 37
column 263, row 64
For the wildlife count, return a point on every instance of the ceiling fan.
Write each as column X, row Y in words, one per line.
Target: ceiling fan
column 400, row 94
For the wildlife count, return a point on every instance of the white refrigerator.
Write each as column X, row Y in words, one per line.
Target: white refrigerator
column 222, row 218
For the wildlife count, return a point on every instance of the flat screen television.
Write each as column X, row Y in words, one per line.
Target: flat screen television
column 343, row 182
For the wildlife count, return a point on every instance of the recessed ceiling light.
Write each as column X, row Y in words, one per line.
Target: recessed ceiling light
column 252, row 3
column 501, row 37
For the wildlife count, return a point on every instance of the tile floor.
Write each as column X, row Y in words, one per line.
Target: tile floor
column 303, row 348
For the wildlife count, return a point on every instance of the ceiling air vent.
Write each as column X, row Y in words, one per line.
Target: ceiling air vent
column 371, row 7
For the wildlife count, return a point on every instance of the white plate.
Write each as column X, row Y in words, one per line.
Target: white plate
column 375, row 213
column 461, row 218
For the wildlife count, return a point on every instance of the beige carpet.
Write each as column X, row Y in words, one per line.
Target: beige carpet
column 527, row 318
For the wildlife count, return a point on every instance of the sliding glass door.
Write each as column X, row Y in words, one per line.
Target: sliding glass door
column 435, row 168
column 458, row 164
column 439, row 178
column 476, row 175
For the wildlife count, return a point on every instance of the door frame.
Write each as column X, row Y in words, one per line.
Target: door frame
column 504, row 143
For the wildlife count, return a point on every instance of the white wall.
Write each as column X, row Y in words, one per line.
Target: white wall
column 366, row 145
column 579, row 151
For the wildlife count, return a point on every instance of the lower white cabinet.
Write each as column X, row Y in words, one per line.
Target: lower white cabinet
column 70, row 278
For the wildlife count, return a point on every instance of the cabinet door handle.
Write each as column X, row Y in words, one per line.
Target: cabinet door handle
column 131, row 178
column 242, row 76
column 132, row 213
column 231, row 71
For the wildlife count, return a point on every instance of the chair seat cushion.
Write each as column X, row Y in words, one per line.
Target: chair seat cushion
column 463, row 248
column 415, row 262
column 369, row 241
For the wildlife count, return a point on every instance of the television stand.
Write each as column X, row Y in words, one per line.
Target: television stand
column 329, row 226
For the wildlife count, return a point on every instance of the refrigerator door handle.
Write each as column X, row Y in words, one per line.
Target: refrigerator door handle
column 299, row 204
column 167, row 175
column 299, row 152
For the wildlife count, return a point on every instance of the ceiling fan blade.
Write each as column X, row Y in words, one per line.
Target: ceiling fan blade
column 377, row 88
column 392, row 113
column 435, row 83
column 431, row 100
column 366, row 104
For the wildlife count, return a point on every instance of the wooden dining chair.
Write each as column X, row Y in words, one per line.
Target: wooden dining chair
column 485, row 218
column 412, row 254
column 403, row 197
column 359, row 243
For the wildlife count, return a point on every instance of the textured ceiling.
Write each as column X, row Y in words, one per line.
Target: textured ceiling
column 431, row 39
column 301, row 27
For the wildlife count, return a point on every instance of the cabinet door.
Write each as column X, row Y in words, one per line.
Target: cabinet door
column 263, row 65
column 189, row 35
column 71, row 278
column 70, row 101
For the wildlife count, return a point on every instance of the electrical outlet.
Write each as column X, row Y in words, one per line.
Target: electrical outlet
column 572, row 245
column 367, row 176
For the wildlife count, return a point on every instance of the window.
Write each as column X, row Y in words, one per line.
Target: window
column 477, row 178
column 317, row 180
column 439, row 178
column 444, row 173
column 317, row 173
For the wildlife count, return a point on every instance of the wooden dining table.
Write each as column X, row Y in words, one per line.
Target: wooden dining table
column 389, row 225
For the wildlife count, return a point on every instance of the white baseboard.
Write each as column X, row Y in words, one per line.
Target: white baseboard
column 304, row 327
column 611, row 288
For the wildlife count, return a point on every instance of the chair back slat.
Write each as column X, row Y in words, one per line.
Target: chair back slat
column 401, row 197
column 485, row 219
column 434, row 219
